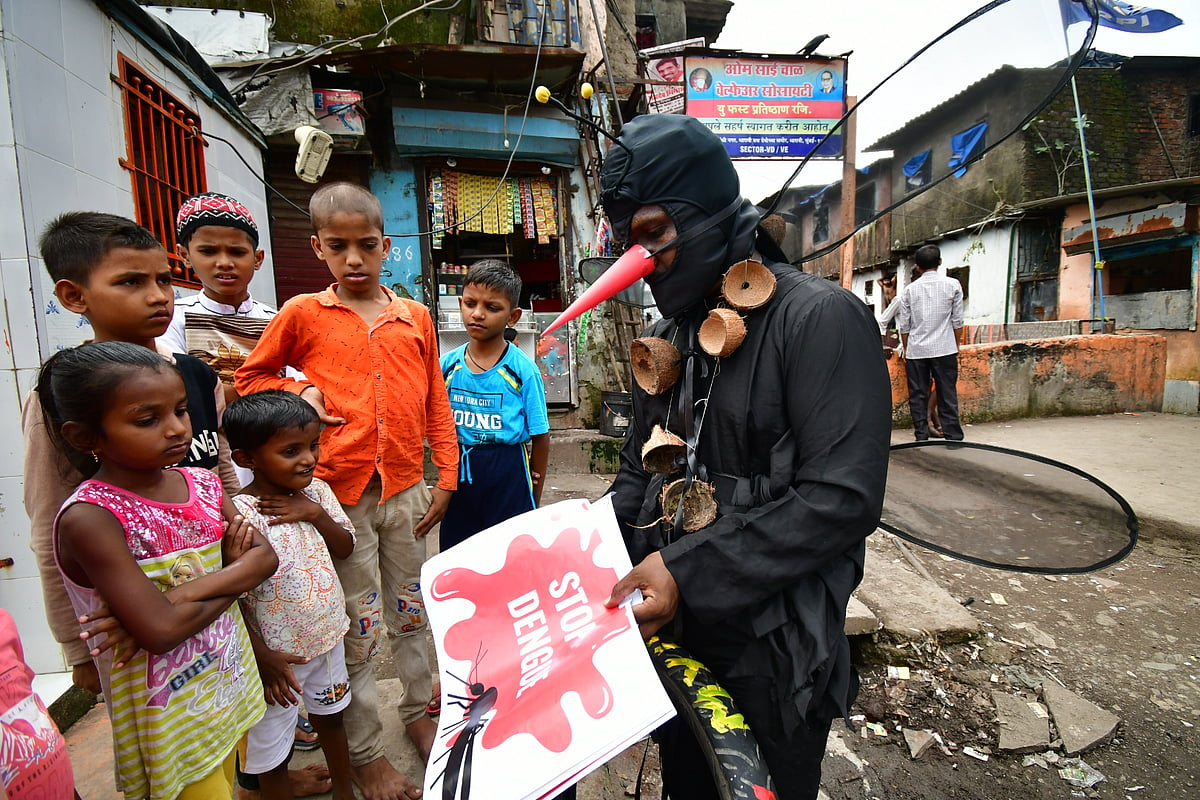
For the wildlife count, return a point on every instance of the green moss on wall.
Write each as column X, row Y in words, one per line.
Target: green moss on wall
column 313, row 21
column 604, row 454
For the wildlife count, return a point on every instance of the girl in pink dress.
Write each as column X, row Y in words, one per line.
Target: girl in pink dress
column 167, row 554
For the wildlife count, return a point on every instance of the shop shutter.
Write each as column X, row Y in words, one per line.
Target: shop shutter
column 297, row 268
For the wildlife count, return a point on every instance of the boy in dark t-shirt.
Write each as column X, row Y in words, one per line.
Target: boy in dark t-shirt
column 115, row 273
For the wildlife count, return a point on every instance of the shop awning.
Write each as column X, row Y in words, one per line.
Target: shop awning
column 424, row 131
column 1165, row 222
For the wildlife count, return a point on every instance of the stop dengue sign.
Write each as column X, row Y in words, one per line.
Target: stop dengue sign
column 540, row 682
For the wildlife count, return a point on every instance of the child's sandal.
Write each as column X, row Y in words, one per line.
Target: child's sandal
column 304, row 729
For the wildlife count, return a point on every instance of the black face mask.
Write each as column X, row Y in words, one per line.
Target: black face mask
column 676, row 162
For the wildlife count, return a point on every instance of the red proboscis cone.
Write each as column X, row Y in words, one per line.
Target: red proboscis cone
column 635, row 264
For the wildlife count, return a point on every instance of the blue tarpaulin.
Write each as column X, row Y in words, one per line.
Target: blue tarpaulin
column 964, row 146
column 914, row 164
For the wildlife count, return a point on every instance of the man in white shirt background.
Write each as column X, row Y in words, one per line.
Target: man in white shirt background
column 930, row 321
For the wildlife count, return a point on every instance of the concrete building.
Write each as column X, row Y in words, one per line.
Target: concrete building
column 1011, row 227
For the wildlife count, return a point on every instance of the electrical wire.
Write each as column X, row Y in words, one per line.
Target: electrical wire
column 202, row 135
column 1072, row 66
column 616, row 14
column 608, row 67
column 308, row 55
column 507, row 167
column 512, row 154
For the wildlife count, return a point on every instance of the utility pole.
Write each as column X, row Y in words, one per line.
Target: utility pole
column 849, row 194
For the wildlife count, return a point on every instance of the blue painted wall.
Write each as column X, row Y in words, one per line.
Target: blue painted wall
column 397, row 191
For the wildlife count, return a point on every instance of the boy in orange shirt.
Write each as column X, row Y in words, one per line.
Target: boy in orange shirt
column 371, row 364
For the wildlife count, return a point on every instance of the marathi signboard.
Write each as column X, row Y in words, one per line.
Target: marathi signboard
column 775, row 107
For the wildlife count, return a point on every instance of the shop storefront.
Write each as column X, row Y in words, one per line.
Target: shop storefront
column 477, row 214
column 473, row 202
column 466, row 169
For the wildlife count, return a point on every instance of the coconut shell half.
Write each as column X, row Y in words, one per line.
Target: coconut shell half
column 722, row 332
column 655, row 364
column 662, row 450
column 699, row 507
column 747, row 285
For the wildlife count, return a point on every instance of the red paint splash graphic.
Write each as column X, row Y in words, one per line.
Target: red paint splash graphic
column 537, row 624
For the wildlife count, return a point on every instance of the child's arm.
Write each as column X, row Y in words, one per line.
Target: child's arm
column 225, row 469
column 440, row 430
column 263, row 368
column 538, row 419
column 116, row 638
column 279, row 347
column 247, row 560
column 316, row 398
column 245, row 555
column 280, row 687
column 439, row 502
column 93, row 551
column 337, row 534
column 538, row 459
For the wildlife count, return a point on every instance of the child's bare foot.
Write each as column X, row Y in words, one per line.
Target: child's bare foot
column 422, row 732
column 305, row 738
column 379, row 780
column 313, row 779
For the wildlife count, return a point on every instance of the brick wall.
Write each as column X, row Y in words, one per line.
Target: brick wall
column 1123, row 107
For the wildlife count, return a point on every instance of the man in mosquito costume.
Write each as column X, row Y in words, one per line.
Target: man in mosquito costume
column 773, row 398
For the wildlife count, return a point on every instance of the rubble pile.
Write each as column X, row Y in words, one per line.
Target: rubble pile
column 971, row 700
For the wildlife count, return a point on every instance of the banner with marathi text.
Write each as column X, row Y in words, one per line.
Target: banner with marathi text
column 769, row 107
column 541, row 683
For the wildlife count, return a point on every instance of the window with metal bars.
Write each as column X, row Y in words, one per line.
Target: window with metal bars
column 164, row 156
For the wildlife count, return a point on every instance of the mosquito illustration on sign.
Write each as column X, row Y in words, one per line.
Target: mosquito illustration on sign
column 477, row 704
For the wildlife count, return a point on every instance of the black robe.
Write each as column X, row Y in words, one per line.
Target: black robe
column 795, row 434
column 795, row 439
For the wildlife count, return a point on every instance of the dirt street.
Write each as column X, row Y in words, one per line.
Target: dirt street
column 1126, row 638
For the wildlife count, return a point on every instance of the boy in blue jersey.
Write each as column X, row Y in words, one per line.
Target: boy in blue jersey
column 499, row 404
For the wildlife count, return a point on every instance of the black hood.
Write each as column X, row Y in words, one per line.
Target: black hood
column 676, row 162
